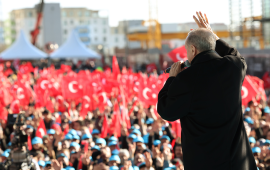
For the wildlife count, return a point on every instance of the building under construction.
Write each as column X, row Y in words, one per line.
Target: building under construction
column 250, row 23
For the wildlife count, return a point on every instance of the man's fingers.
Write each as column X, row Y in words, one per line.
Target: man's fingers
column 197, row 21
column 200, row 18
column 206, row 18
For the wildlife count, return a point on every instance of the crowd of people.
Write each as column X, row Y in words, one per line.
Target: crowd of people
column 72, row 141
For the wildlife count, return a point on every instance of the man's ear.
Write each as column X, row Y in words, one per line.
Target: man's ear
column 193, row 50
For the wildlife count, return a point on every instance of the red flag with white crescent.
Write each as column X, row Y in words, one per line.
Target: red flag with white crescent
column 249, row 90
column 178, row 54
column 72, row 88
column 41, row 130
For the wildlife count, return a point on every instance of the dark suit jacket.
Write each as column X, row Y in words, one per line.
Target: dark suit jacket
column 206, row 97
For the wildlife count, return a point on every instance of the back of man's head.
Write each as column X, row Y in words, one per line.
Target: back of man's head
column 202, row 39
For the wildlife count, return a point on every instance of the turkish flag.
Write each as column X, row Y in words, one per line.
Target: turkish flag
column 115, row 127
column 41, row 130
column 151, row 67
column 22, row 94
column 43, row 83
column 148, row 95
column 266, row 79
column 72, row 88
column 259, row 84
column 178, row 54
column 249, row 90
column 86, row 105
column 115, row 67
column 105, row 127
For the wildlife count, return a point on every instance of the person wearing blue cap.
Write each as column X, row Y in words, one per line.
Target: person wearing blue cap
column 68, row 137
column 136, row 132
column 69, row 168
column 72, row 132
column 149, row 121
column 4, row 156
column 131, row 137
column 95, row 133
column 95, row 148
column 114, row 160
column 74, row 146
column 112, row 138
column 252, row 141
column 87, row 137
column 62, row 158
column 249, row 120
column 101, row 142
column 256, row 152
column 115, row 152
column 36, row 143
column 76, row 138
column 157, row 143
column 165, row 139
column 41, row 164
column 51, row 133
column 112, row 145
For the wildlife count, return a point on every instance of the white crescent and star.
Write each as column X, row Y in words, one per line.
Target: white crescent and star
column 245, row 90
column 145, row 91
column 87, row 98
column 71, row 88
column 19, row 90
column 42, row 84
column 178, row 57
column 41, row 131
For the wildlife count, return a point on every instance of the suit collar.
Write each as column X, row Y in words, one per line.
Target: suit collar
column 205, row 56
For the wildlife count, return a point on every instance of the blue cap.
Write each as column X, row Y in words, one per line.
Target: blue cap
column 101, row 141
column 7, row 150
column 95, row 147
column 29, row 127
column 166, row 137
column 171, row 168
column 145, row 138
column 41, row 163
column 137, row 131
column 86, row 136
column 132, row 136
column 256, row 150
column 51, row 132
column 252, row 140
column 48, row 163
column 139, row 139
column 115, row 158
column 74, row 144
column 142, row 165
column 77, row 137
column 69, row 168
column 163, row 128
column 115, row 152
column 248, row 120
column 72, row 132
column 112, row 143
column 9, row 144
column 114, row 168
column 267, row 141
column 113, row 138
column 157, row 142
column 247, row 109
column 5, row 154
column 61, row 155
column 95, row 131
column 149, row 121
column 36, row 140
column 132, row 128
column 266, row 110
column 68, row 137
column 72, row 152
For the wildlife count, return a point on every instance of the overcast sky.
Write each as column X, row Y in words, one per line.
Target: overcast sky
column 170, row 11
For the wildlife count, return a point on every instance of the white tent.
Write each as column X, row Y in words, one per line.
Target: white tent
column 22, row 49
column 74, row 48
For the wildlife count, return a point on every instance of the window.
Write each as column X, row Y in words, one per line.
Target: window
column 116, row 31
column 116, row 39
column 64, row 14
column 104, row 39
column 70, row 13
column 30, row 14
column 87, row 13
column 104, row 31
column 79, row 13
column 71, row 21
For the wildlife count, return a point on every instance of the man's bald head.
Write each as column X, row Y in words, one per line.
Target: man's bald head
column 199, row 40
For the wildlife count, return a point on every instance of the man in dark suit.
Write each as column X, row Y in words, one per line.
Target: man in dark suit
column 206, row 97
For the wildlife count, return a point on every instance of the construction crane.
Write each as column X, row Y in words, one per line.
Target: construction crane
column 35, row 32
